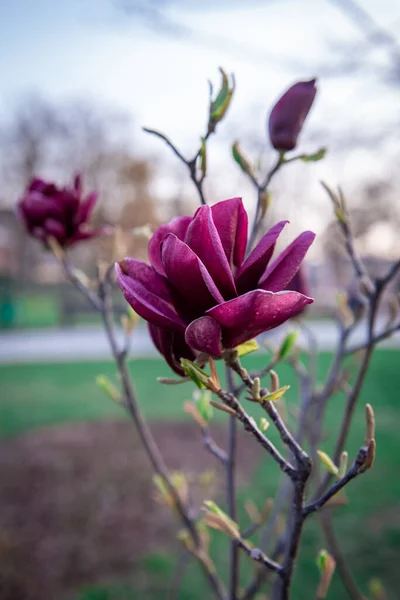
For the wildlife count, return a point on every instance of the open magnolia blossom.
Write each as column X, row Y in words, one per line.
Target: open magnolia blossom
column 199, row 295
column 60, row 213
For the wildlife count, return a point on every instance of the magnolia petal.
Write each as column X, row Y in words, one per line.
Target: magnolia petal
column 204, row 335
column 147, row 293
column 248, row 275
column 39, row 185
column 54, row 228
column 285, row 266
column 193, row 290
column 178, row 226
column 86, row 208
column 172, row 345
column 202, row 237
column 247, row 316
column 230, row 219
column 37, row 207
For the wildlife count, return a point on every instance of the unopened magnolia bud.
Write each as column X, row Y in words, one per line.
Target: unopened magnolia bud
column 343, row 464
column 220, row 105
column 370, row 423
column 327, row 565
column 328, row 463
column 108, row 388
column 252, row 511
column 289, row 113
column 274, row 381
column 223, row 407
column 255, row 388
column 371, row 451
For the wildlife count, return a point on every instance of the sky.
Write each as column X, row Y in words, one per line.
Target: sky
column 94, row 50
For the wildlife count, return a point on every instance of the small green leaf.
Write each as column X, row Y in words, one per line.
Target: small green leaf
column 108, row 388
column 328, row 463
column 197, row 375
column 319, row 155
column 287, row 345
column 247, row 347
column 203, row 405
column 264, row 424
column 274, row 396
column 322, row 558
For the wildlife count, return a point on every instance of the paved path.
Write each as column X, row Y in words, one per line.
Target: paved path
column 76, row 343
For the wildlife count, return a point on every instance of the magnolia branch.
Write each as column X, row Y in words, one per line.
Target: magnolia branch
column 357, row 468
column 104, row 306
column 250, row 425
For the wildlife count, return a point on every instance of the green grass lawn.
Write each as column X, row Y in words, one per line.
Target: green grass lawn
column 41, row 395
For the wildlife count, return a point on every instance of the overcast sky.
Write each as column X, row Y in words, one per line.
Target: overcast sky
column 90, row 49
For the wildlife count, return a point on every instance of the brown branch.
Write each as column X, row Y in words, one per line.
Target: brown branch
column 104, row 306
column 230, row 468
column 250, row 425
column 262, row 189
column 281, row 588
column 213, row 447
column 355, row 470
column 257, row 555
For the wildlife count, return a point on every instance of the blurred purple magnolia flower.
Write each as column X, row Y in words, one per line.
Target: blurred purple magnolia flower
column 62, row 213
column 289, row 113
column 200, row 295
column 300, row 282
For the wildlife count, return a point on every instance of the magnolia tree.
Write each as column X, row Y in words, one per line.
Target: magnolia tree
column 210, row 288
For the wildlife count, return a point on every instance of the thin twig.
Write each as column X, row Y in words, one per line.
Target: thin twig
column 251, row 426
column 281, row 588
column 213, row 447
column 257, row 555
column 375, row 340
column 230, row 468
column 72, row 278
column 354, row 471
column 262, row 189
column 286, row 437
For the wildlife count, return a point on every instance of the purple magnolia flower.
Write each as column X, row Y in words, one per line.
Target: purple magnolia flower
column 289, row 113
column 199, row 295
column 62, row 213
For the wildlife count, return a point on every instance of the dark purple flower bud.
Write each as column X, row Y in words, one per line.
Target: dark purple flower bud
column 61, row 213
column 289, row 113
column 199, row 295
